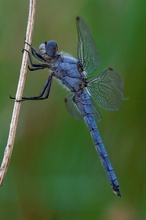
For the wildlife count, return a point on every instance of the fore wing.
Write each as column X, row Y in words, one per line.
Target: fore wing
column 87, row 51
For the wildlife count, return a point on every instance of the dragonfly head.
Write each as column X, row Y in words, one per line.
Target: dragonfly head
column 48, row 48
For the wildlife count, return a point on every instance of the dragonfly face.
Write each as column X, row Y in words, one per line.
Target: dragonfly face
column 48, row 48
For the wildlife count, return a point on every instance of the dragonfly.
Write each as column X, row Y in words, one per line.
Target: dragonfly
column 86, row 91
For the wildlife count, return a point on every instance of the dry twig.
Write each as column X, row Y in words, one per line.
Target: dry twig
column 16, row 109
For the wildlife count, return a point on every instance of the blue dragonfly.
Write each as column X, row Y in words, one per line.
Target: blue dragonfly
column 104, row 90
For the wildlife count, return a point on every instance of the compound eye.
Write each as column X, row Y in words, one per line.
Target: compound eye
column 51, row 48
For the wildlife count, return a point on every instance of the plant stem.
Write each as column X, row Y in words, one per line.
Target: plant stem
column 21, row 83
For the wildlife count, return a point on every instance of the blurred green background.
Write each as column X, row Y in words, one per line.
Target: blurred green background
column 55, row 172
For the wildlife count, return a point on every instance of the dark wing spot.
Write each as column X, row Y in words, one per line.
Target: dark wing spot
column 78, row 18
column 110, row 68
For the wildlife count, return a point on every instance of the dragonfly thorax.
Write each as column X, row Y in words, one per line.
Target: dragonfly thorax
column 48, row 49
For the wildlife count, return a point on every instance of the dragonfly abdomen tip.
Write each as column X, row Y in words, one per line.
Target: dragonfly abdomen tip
column 117, row 192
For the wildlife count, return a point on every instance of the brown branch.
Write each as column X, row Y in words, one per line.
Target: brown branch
column 21, row 83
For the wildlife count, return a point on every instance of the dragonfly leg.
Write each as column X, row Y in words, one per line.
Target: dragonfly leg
column 46, row 89
column 35, row 66
column 35, row 53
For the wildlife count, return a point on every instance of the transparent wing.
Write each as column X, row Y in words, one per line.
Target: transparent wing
column 106, row 90
column 71, row 108
column 97, row 114
column 73, row 111
column 87, row 51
